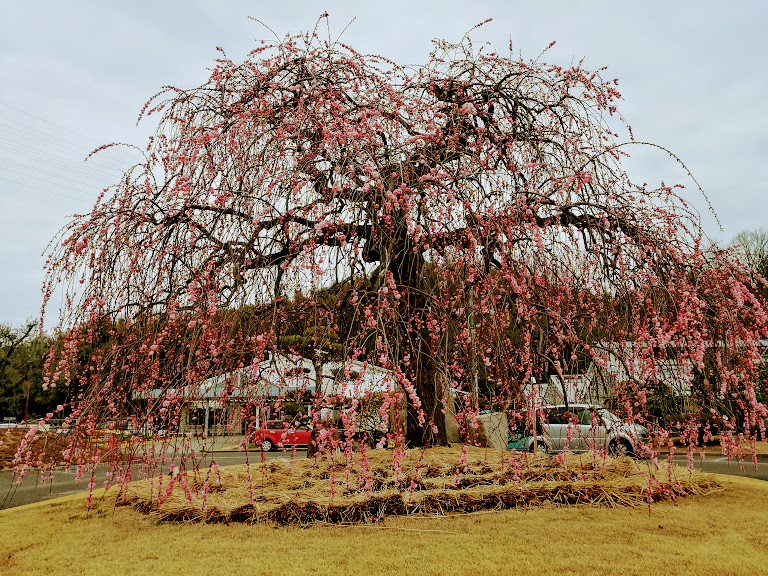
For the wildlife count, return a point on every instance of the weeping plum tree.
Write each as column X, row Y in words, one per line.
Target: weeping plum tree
column 470, row 218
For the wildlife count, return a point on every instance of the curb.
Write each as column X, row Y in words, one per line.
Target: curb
column 97, row 494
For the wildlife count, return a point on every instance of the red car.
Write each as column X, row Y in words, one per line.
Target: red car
column 277, row 433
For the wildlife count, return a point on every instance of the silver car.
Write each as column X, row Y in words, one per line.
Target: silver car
column 581, row 428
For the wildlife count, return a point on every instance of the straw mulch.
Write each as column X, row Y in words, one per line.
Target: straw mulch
column 47, row 449
column 44, row 450
column 345, row 489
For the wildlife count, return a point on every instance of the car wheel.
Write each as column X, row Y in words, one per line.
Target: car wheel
column 267, row 445
column 542, row 447
column 619, row 449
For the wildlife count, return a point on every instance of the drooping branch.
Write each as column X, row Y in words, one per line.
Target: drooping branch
column 465, row 225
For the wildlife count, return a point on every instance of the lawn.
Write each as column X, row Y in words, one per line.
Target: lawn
column 721, row 533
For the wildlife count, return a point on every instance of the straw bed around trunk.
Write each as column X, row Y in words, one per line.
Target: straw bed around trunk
column 341, row 488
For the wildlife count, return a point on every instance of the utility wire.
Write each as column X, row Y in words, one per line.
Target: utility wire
column 38, row 170
column 71, row 155
column 43, row 189
column 57, row 184
column 52, row 123
column 48, row 142
column 55, row 160
column 38, row 155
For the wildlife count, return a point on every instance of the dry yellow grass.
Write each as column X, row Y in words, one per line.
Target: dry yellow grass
column 352, row 489
column 723, row 533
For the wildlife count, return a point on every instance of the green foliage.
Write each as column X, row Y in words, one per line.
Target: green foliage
column 313, row 339
column 22, row 357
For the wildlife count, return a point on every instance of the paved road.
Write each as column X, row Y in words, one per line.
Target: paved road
column 32, row 489
column 721, row 465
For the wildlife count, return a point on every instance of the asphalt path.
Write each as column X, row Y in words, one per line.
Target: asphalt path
column 33, row 488
column 722, row 465
column 36, row 488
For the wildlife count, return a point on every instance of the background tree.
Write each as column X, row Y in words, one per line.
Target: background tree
column 474, row 208
column 22, row 360
column 751, row 246
column 10, row 340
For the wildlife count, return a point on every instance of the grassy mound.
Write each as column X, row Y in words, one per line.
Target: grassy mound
column 355, row 489
column 723, row 533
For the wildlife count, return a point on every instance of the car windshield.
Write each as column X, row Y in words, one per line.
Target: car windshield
column 282, row 424
column 608, row 417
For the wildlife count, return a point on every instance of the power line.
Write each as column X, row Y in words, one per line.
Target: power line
column 54, row 160
column 57, row 184
column 80, row 149
column 42, row 189
column 41, row 171
column 51, row 123
column 48, row 142
column 32, row 155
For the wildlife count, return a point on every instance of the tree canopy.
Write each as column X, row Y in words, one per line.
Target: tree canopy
column 468, row 216
column 22, row 356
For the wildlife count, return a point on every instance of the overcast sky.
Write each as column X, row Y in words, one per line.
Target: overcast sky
column 75, row 75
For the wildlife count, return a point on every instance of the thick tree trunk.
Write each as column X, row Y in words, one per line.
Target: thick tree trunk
column 430, row 392
column 417, row 341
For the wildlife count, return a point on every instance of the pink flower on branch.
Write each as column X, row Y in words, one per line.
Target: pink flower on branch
column 464, row 233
